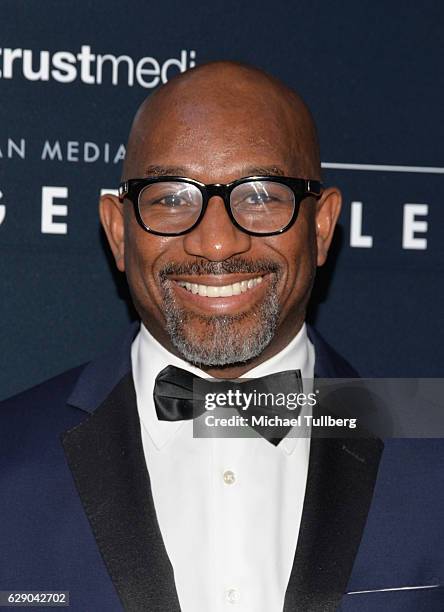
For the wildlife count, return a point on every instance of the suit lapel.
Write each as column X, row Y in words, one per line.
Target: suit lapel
column 340, row 483
column 105, row 455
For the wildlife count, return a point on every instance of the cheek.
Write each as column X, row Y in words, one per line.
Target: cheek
column 297, row 248
column 298, row 244
column 141, row 254
column 145, row 258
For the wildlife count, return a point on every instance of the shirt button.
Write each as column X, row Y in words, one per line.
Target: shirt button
column 229, row 477
column 232, row 596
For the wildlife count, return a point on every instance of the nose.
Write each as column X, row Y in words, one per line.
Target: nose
column 216, row 238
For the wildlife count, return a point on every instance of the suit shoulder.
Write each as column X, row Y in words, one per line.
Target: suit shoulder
column 56, row 387
column 45, row 402
column 329, row 363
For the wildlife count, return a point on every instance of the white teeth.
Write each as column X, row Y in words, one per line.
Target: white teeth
column 224, row 291
column 211, row 291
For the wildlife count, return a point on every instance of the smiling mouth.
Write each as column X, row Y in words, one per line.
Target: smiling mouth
column 220, row 291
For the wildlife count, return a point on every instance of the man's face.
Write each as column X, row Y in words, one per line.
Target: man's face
column 270, row 278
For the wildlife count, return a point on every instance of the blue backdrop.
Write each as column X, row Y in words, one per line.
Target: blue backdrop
column 71, row 77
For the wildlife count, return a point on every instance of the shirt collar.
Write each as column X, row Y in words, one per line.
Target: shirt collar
column 149, row 357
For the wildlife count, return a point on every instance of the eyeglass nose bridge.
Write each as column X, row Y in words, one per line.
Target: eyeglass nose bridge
column 217, row 189
column 222, row 191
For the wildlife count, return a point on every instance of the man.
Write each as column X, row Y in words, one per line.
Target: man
column 107, row 497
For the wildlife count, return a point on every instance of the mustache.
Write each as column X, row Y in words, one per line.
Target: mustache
column 228, row 266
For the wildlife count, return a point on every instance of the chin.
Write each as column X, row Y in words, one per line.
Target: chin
column 218, row 341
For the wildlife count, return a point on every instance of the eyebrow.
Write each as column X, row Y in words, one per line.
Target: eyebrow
column 264, row 171
column 153, row 170
column 165, row 171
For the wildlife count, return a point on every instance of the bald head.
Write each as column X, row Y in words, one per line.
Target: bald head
column 204, row 114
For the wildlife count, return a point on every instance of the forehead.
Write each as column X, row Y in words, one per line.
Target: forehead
column 212, row 140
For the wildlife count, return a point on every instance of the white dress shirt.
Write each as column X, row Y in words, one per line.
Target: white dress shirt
column 229, row 509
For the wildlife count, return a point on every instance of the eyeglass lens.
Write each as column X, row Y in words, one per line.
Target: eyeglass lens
column 257, row 206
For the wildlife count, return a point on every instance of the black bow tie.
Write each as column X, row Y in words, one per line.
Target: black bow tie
column 179, row 395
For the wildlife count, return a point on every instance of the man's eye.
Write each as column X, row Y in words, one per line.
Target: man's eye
column 256, row 199
column 171, row 201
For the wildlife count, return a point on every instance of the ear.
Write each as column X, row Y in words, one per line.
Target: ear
column 111, row 217
column 327, row 212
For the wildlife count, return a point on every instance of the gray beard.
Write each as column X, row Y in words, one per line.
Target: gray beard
column 221, row 343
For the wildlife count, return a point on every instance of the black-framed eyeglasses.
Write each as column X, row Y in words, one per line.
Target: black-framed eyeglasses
column 257, row 205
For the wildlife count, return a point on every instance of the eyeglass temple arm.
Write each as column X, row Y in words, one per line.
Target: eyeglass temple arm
column 311, row 188
column 123, row 190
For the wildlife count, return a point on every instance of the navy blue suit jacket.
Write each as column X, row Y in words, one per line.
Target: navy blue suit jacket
column 76, row 511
